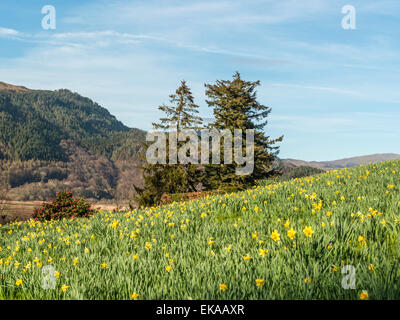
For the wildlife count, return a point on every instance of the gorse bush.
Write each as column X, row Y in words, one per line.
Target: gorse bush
column 64, row 206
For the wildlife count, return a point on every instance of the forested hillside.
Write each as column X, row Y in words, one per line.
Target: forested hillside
column 34, row 122
column 59, row 139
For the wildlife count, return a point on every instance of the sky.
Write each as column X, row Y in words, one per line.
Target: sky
column 334, row 92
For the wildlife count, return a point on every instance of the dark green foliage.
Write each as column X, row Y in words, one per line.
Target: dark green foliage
column 20, row 177
column 153, row 188
column 167, row 179
column 33, row 123
column 64, row 206
column 54, row 173
column 52, row 138
column 162, row 179
column 235, row 106
column 117, row 146
column 289, row 172
column 182, row 113
column 298, row 172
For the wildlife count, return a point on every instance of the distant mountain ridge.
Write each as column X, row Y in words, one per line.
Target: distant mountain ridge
column 342, row 163
column 10, row 87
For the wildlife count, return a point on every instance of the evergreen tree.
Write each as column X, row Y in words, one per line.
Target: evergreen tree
column 167, row 178
column 235, row 106
column 182, row 113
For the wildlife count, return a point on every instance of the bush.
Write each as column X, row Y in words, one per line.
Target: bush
column 64, row 206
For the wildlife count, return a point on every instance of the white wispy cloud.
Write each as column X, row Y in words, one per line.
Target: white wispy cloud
column 172, row 13
column 381, row 7
column 345, row 123
column 8, row 32
column 319, row 88
column 108, row 38
column 326, row 124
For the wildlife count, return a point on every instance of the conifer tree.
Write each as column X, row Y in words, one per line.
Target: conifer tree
column 235, row 106
column 180, row 115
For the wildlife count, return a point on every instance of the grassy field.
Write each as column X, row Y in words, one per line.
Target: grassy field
column 280, row 241
column 22, row 210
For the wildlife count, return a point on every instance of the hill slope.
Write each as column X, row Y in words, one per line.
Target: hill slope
column 289, row 240
column 10, row 87
column 343, row 163
column 44, row 135
column 33, row 123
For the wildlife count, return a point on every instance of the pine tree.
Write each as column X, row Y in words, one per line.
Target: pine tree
column 162, row 179
column 235, row 106
column 182, row 113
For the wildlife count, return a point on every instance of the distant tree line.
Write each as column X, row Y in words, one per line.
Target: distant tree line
column 288, row 173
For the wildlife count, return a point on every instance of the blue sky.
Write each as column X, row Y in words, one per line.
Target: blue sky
column 334, row 93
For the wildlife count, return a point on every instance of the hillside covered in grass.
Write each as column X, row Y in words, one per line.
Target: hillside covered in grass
column 286, row 240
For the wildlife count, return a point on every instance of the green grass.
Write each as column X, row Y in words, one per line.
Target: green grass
column 339, row 206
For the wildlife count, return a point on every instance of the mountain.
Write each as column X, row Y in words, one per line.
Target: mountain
column 10, row 87
column 34, row 122
column 342, row 163
column 59, row 139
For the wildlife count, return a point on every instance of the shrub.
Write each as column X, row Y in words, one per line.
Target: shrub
column 64, row 206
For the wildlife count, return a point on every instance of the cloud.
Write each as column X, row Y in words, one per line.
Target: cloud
column 260, row 61
column 130, row 55
column 381, row 7
column 346, row 123
column 186, row 16
column 319, row 88
column 108, row 38
column 130, row 83
column 8, row 32
column 313, row 124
